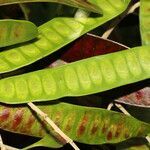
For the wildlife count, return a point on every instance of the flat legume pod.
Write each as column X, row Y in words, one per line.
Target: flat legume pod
column 56, row 33
column 145, row 21
column 83, row 77
column 16, row 31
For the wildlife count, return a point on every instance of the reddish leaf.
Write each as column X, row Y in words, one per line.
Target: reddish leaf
column 139, row 98
column 90, row 45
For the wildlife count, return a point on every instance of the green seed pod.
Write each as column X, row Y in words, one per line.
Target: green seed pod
column 145, row 21
column 55, row 34
column 83, row 77
column 16, row 31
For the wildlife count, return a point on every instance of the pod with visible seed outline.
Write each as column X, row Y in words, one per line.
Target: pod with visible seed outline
column 83, row 77
column 82, row 124
column 145, row 21
column 55, row 34
column 16, row 31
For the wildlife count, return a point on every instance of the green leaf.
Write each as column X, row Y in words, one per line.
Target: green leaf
column 145, row 21
column 56, row 34
column 88, row 76
column 87, row 125
column 16, row 31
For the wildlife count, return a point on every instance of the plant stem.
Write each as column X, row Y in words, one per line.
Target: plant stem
column 2, row 147
column 10, row 147
column 110, row 106
column 122, row 109
column 53, row 125
column 24, row 10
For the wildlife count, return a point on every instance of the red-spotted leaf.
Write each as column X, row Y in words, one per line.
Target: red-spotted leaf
column 139, row 98
column 83, row 124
